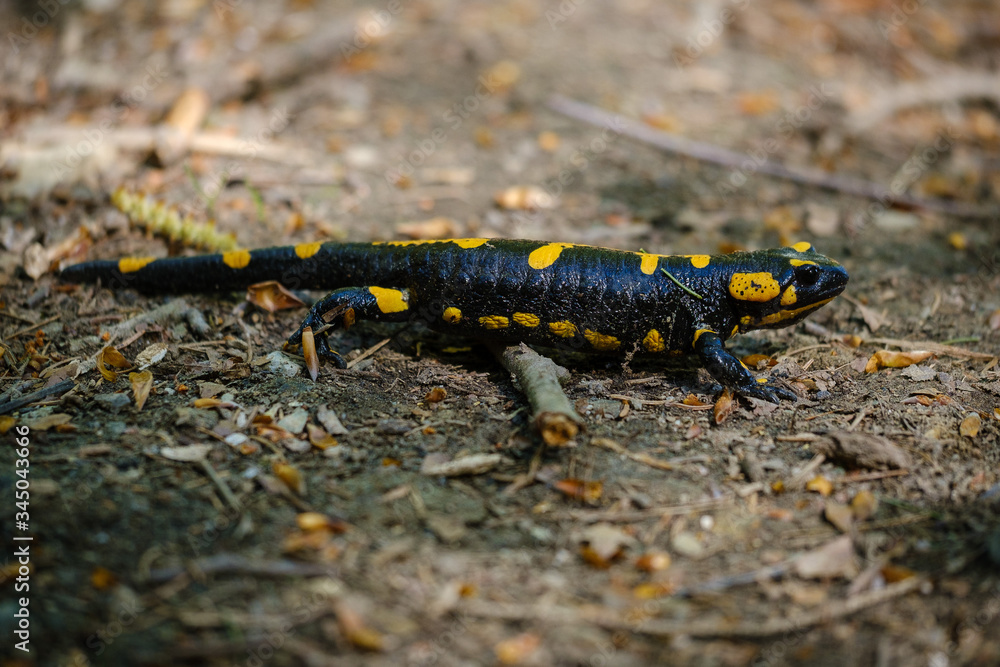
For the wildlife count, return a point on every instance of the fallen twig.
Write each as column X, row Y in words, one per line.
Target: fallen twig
column 228, row 563
column 57, row 388
column 936, row 348
column 706, row 152
column 554, row 416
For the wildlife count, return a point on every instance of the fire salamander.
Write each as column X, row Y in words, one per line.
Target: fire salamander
column 553, row 294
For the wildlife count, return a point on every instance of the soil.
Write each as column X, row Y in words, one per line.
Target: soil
column 247, row 515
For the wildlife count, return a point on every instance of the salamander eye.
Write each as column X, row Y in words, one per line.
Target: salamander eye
column 806, row 275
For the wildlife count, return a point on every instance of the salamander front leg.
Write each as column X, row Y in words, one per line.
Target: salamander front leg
column 342, row 308
column 732, row 373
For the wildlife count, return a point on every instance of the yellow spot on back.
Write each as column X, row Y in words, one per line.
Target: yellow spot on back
column 800, row 262
column 236, row 259
column 389, row 300
column 788, row 297
column 700, row 261
column 563, row 329
column 307, row 250
column 527, row 319
column 546, row 255
column 494, row 322
column 601, row 341
column 649, row 263
column 802, row 246
column 653, row 342
column 131, row 264
column 461, row 243
column 699, row 332
column 469, row 243
column 754, row 286
column 452, row 314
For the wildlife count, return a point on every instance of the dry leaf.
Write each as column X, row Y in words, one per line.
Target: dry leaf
column 434, row 228
column 187, row 453
column 54, row 420
column 693, row 400
column 653, row 561
column 753, row 360
column 994, row 321
column 820, row 485
column 724, row 406
column 970, row 425
column 436, row 395
column 290, row 477
column 873, row 319
column 309, row 353
column 142, row 384
column 602, row 543
column 548, row 141
column 517, row 649
column 896, row 573
column 890, row 359
column 319, row 438
column 758, row 103
column 524, row 198
column 151, row 355
column 272, row 297
column 109, row 358
column 474, row 464
column 839, row 515
column 864, row 505
column 314, row 521
column 102, row 578
column 833, row 559
column 578, row 489
column 354, row 630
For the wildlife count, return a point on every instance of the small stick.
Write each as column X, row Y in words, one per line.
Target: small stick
column 369, row 352
column 936, row 348
column 57, row 388
column 554, row 416
column 706, row 152
column 21, row 332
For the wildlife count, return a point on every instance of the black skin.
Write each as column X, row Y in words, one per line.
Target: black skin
column 601, row 300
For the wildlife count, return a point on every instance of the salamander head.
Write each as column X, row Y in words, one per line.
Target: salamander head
column 770, row 289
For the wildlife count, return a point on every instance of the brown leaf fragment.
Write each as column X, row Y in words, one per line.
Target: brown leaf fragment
column 353, row 628
column 319, row 438
column 603, row 543
column 187, row 454
column 290, row 477
column 435, row 228
column 820, row 485
column 108, row 359
column 142, row 384
column 474, row 464
column 833, row 559
column 864, row 505
column 873, row 319
column 861, row 450
column 724, row 406
column 891, row 359
column 994, row 320
column 895, row 573
column 46, row 422
column 839, row 515
column 436, row 395
column 578, row 489
column 693, row 400
column 153, row 354
column 101, row 578
column 515, row 650
column 272, row 296
column 653, row 561
column 309, row 352
column 315, row 521
column 970, row 425
column 524, row 198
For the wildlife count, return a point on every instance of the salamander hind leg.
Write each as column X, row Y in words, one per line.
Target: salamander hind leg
column 343, row 307
column 732, row 373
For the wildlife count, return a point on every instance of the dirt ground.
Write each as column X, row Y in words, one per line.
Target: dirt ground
column 246, row 515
